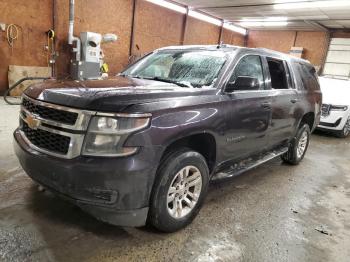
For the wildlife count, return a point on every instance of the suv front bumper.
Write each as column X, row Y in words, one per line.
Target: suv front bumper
column 335, row 121
column 114, row 190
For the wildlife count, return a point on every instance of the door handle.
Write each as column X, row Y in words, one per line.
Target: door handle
column 266, row 105
column 294, row 100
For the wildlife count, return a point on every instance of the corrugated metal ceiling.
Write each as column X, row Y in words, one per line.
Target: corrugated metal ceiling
column 332, row 16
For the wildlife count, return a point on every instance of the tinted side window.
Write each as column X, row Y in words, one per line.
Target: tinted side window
column 277, row 73
column 249, row 66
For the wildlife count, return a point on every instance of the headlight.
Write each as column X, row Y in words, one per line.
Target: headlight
column 339, row 108
column 106, row 135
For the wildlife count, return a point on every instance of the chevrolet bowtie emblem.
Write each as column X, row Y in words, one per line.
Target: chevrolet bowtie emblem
column 32, row 122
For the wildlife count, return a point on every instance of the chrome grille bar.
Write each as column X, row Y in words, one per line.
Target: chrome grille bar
column 81, row 123
column 76, row 135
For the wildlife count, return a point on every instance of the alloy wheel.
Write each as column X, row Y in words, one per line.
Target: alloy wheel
column 302, row 144
column 184, row 191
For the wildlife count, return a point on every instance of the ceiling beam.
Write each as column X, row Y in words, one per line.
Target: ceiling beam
column 317, row 25
column 345, row 30
column 312, row 23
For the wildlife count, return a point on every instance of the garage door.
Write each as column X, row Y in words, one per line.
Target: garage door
column 338, row 58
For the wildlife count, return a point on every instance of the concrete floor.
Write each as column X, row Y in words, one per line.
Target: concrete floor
column 272, row 213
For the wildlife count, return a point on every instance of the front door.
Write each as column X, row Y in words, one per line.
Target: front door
column 249, row 113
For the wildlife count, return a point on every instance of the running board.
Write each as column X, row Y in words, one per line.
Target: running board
column 247, row 164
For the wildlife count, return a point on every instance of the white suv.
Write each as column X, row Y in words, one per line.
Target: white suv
column 336, row 106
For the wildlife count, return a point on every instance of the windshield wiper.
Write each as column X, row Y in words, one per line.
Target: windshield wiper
column 186, row 83
column 157, row 78
column 133, row 76
column 179, row 83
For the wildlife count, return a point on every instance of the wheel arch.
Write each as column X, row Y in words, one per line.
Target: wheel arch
column 203, row 143
column 309, row 119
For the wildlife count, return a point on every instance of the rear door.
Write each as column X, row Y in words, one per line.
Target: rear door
column 309, row 89
column 284, row 102
column 249, row 111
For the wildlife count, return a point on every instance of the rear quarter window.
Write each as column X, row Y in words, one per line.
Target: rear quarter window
column 308, row 76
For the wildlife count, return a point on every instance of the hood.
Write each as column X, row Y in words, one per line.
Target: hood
column 110, row 95
column 335, row 91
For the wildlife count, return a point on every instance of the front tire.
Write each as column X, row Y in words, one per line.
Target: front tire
column 298, row 146
column 345, row 131
column 179, row 191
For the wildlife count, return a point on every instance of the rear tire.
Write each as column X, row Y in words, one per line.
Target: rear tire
column 179, row 190
column 298, row 146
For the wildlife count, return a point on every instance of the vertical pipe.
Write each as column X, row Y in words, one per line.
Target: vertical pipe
column 71, row 37
column 184, row 27
column 131, row 45
column 54, row 15
column 71, row 22
column 53, row 67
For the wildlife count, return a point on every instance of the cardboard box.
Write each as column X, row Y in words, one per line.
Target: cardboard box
column 297, row 51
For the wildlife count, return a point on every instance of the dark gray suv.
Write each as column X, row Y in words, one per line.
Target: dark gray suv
column 143, row 146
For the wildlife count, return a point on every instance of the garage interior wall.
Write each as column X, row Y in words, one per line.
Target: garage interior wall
column 28, row 49
column 315, row 44
column 154, row 27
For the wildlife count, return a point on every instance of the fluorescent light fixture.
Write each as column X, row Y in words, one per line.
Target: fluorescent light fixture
column 276, row 19
column 288, row 1
column 263, row 24
column 205, row 18
column 166, row 4
column 316, row 4
column 183, row 10
column 266, row 19
column 217, row 22
column 234, row 28
column 198, row 15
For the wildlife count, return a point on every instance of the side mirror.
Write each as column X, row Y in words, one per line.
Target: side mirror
column 243, row 83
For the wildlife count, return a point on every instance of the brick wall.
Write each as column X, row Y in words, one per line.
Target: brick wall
column 154, row 27
column 314, row 43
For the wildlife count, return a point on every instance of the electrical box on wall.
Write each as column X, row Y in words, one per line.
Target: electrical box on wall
column 87, row 62
column 297, row 51
column 85, row 70
column 90, row 47
column 88, row 67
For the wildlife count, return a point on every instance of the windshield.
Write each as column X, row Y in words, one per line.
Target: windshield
column 184, row 68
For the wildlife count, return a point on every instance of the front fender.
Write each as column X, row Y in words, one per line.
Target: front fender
column 169, row 127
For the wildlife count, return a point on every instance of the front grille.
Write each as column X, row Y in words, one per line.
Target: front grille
column 46, row 140
column 325, row 109
column 61, row 116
